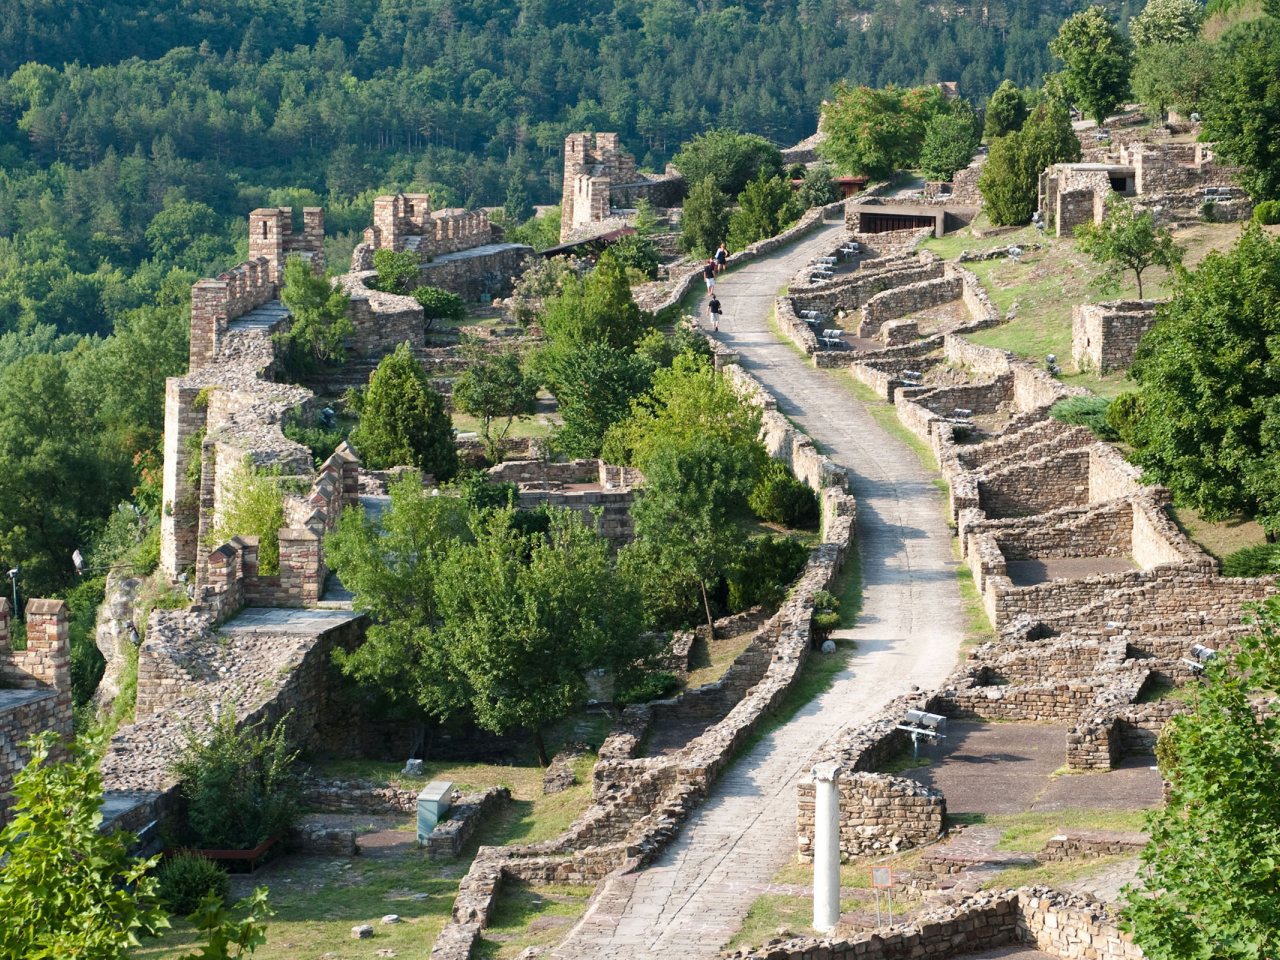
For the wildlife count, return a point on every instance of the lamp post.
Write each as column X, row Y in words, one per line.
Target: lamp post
column 13, row 575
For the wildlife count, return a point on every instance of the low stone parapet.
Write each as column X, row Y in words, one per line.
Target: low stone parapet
column 449, row 836
column 1088, row 844
column 357, row 796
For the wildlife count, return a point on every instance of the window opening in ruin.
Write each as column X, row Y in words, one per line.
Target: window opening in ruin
column 264, row 229
column 1117, row 184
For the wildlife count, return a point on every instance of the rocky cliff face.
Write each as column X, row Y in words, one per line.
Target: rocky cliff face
column 112, row 636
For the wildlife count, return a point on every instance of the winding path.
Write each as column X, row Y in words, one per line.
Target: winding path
column 693, row 899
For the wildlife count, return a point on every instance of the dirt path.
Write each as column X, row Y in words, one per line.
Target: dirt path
column 693, row 899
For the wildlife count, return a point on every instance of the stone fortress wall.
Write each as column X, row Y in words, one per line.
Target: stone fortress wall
column 459, row 250
column 35, row 686
column 1104, row 336
column 600, row 176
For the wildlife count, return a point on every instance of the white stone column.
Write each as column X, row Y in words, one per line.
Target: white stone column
column 826, row 846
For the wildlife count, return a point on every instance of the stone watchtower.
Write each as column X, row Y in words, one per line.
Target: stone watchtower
column 271, row 237
column 593, row 162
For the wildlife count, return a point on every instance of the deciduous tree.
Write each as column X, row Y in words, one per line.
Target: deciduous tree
column 1242, row 115
column 1211, row 871
column 1097, row 59
column 525, row 617
column 764, row 207
column 1166, row 22
column 1006, row 110
column 704, row 222
column 317, row 336
column 390, row 563
column 496, row 390
column 1210, row 407
column 949, row 144
column 594, row 385
column 1127, row 240
column 874, row 133
column 66, row 889
column 731, row 159
column 687, row 535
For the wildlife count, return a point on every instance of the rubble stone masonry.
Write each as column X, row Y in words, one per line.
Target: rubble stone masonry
column 35, row 686
column 1104, row 336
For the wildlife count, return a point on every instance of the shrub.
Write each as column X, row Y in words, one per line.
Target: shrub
column 321, row 441
column 1209, row 212
column 1267, row 213
column 187, row 879
column 253, row 507
column 826, row 617
column 1260, row 561
column 766, row 570
column 440, row 304
column 1123, row 415
column 397, row 269
column 653, row 686
column 636, row 251
column 1088, row 412
column 781, row 498
column 238, row 784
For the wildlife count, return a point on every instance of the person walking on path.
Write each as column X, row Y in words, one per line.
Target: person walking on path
column 722, row 258
column 713, row 313
column 709, row 274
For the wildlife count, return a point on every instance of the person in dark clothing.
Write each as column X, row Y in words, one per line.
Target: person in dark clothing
column 722, row 258
column 709, row 273
column 713, row 313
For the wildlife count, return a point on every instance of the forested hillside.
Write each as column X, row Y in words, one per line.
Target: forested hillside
column 109, row 122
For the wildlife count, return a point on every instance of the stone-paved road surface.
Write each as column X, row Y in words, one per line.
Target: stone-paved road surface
column 693, row 899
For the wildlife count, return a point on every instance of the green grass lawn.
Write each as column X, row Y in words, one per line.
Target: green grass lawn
column 1218, row 538
column 530, row 915
column 1047, row 283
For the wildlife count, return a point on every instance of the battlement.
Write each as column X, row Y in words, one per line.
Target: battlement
column 406, row 221
column 215, row 303
column 35, row 686
column 271, row 237
column 597, row 173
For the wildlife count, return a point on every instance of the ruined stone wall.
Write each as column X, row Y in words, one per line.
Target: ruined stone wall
column 1111, row 475
column 879, row 814
column 1036, row 486
column 383, row 321
column 1104, row 336
column 900, row 301
column 262, row 673
column 1075, row 207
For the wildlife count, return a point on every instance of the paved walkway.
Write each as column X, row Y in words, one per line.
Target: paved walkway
column 693, row 899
